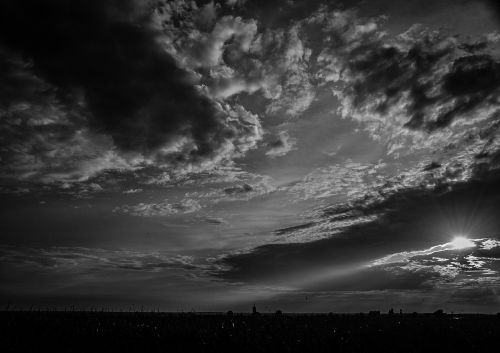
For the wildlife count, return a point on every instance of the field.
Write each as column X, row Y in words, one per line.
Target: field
column 162, row 332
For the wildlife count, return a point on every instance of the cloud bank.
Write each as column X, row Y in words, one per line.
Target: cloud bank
column 88, row 85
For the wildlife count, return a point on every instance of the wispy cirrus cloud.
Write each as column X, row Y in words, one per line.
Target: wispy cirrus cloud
column 79, row 258
column 83, row 259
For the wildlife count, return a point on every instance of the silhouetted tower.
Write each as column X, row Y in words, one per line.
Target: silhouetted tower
column 254, row 310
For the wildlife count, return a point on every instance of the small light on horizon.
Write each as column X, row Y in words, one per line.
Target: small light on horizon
column 462, row 242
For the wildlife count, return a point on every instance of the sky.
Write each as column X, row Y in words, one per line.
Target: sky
column 307, row 156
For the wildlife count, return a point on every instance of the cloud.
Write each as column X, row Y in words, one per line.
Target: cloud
column 160, row 209
column 398, row 87
column 91, row 88
column 207, row 15
column 295, row 91
column 235, row 2
column 217, row 221
column 132, row 191
column 348, row 193
column 82, row 259
column 208, row 51
column 40, row 137
column 348, row 178
column 448, row 267
column 92, row 108
column 237, row 187
column 406, row 89
column 444, row 271
column 409, row 218
column 234, row 58
column 407, row 256
column 91, row 46
column 281, row 146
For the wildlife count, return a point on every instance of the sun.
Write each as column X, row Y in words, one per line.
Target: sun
column 461, row 242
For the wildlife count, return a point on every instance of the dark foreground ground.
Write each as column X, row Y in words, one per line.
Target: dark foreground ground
column 157, row 332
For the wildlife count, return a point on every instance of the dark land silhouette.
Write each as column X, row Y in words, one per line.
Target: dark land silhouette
column 85, row 331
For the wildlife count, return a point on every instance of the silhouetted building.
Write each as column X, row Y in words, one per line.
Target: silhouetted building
column 254, row 310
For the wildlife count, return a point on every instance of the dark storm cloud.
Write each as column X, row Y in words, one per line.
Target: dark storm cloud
column 388, row 73
column 421, row 80
column 32, row 119
column 108, row 52
column 17, row 84
column 471, row 81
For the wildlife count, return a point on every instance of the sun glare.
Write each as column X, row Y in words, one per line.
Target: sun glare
column 461, row 242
